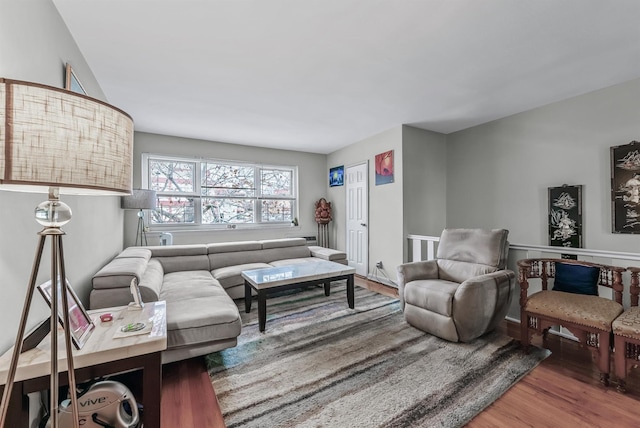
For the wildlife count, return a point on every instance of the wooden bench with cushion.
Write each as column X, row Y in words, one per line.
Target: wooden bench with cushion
column 626, row 334
column 572, row 303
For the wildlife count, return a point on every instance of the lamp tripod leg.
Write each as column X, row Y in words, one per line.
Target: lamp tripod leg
column 17, row 349
column 144, row 233
column 140, row 233
column 64, row 292
column 57, row 270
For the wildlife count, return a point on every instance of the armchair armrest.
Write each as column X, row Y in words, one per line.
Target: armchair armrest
column 481, row 303
column 426, row 269
column 407, row 272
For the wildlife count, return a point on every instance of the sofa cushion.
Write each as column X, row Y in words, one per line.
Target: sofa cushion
column 189, row 285
column 327, row 253
column 184, row 263
column 143, row 253
column 119, row 273
column 287, row 262
column 202, row 320
column 231, row 275
column 198, row 309
column 222, row 260
column 281, row 243
column 178, row 250
column 295, row 252
column 579, row 279
column 151, row 282
column 433, row 295
column 232, row 247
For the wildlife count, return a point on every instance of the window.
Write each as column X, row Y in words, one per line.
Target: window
column 219, row 193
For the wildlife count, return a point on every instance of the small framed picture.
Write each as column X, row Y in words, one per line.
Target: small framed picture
column 80, row 322
column 336, row 176
column 384, row 167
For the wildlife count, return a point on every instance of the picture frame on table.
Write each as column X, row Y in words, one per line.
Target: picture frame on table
column 80, row 322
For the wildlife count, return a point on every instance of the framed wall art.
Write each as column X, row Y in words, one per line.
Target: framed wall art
column 336, row 176
column 384, row 167
column 625, row 188
column 80, row 322
column 565, row 216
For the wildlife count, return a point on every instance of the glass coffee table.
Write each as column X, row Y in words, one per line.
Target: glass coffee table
column 271, row 280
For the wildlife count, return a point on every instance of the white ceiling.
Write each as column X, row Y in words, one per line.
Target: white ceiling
column 318, row 75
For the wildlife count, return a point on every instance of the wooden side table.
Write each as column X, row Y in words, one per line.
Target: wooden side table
column 103, row 354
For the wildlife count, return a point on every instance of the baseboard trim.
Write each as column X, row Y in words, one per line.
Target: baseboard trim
column 379, row 280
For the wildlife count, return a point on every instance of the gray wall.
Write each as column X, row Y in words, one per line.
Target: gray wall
column 424, row 183
column 312, row 179
column 498, row 173
column 34, row 46
column 386, row 240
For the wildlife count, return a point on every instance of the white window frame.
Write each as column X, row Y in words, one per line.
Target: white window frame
column 197, row 193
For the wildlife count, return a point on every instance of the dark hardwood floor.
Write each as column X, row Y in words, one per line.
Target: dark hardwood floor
column 563, row 391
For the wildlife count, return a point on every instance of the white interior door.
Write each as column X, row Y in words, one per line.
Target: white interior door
column 357, row 189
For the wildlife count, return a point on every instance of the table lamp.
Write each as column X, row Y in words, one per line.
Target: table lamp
column 56, row 141
column 140, row 199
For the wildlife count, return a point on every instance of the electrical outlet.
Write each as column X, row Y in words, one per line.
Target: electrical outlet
column 379, row 265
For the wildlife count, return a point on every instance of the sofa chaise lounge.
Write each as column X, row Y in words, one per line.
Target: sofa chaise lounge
column 199, row 283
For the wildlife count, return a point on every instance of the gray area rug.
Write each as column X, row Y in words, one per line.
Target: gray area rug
column 321, row 364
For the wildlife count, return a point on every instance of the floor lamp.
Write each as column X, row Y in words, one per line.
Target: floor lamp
column 57, row 141
column 140, row 199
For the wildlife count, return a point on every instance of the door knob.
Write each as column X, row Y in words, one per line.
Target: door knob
column 363, row 224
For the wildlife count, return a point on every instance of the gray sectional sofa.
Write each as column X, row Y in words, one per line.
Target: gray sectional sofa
column 199, row 283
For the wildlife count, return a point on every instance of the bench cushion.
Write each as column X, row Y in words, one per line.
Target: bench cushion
column 628, row 324
column 591, row 311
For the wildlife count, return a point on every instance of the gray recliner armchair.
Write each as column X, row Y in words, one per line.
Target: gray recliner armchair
column 465, row 292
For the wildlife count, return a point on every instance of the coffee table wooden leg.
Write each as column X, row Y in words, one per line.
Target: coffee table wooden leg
column 327, row 288
column 262, row 309
column 350, row 292
column 247, row 296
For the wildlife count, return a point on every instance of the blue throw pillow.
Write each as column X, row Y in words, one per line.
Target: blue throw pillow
column 576, row 279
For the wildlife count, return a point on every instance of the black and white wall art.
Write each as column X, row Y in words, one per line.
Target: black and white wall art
column 565, row 216
column 625, row 188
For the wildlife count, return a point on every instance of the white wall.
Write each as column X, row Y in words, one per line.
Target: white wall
column 386, row 239
column 35, row 44
column 312, row 179
column 498, row 173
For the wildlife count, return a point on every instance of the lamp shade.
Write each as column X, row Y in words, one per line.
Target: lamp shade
column 140, row 199
column 51, row 137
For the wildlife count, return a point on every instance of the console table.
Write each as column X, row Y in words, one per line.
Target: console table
column 102, row 354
